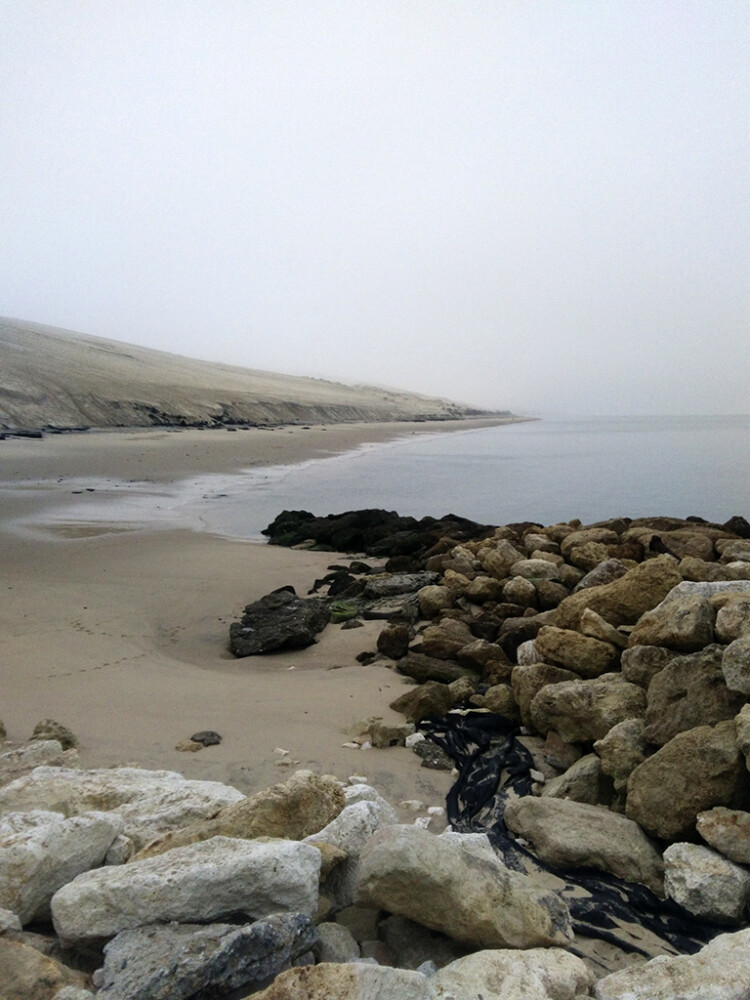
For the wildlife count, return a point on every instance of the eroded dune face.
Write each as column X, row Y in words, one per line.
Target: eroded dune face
column 51, row 377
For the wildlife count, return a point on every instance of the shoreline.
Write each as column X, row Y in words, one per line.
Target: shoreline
column 122, row 635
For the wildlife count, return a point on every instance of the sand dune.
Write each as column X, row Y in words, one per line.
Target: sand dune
column 57, row 378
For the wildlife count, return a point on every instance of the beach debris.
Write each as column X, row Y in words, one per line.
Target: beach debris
column 281, row 751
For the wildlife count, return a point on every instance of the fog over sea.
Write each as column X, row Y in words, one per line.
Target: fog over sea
column 546, row 471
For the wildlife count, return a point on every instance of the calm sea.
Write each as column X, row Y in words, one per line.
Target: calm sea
column 546, row 471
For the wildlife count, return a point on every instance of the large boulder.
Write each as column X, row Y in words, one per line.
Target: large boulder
column 455, row 884
column 583, row 655
column 423, row 668
column 733, row 619
column 175, row 961
column 583, row 710
column 640, row 664
column 581, row 782
column 498, row 559
column 735, row 665
column 429, row 700
column 567, row 834
column 348, row 981
column 535, row 974
column 684, row 623
column 291, row 810
column 700, row 768
column 443, row 641
column 196, row 884
column 280, row 620
column 706, row 884
column 149, row 802
column 716, row 972
column 41, row 851
column 622, row 750
column 624, row 600
column 528, row 679
column 690, row 691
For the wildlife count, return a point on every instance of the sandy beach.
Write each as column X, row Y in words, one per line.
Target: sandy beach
column 121, row 631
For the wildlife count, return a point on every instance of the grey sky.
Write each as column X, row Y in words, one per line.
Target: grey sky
column 535, row 205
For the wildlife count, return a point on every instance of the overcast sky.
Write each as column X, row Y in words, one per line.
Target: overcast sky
column 542, row 206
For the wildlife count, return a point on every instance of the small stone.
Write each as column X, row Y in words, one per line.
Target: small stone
column 207, row 737
column 48, row 729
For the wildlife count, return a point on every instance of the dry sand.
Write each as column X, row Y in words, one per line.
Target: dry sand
column 122, row 633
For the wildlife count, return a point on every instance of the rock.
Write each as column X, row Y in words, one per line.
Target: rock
column 624, row 600
column 583, row 655
column 594, row 626
column 42, row 851
column 588, row 556
column 399, row 583
column 702, row 768
column 732, row 550
column 434, row 599
column 535, row 974
column 423, row 668
column 48, row 729
column 483, row 589
column 727, row 831
column 335, row 944
column 689, row 692
column 3, row 732
column 384, row 735
column 716, row 972
column 499, row 699
column 196, row 884
column 697, row 570
column 149, row 802
column 477, row 654
column 208, row 737
column 360, row 921
column 583, row 710
column 443, row 641
column 535, row 569
column 706, row 884
column 498, row 560
column 526, row 654
column 733, row 619
column 640, row 664
column 350, row 832
column 8, row 921
column 684, row 623
column 412, row 944
column 462, row 690
column 735, row 665
column 176, row 961
column 21, row 760
column 350, row 981
column 604, row 536
column 622, row 750
column 280, row 620
column 742, row 721
column 27, row 974
column 549, row 593
column 520, row 591
column 425, row 701
column 394, row 640
column 291, row 810
column 455, row 884
column 583, row 781
column 605, row 572
column 528, row 680
column 567, row 834
column 433, row 756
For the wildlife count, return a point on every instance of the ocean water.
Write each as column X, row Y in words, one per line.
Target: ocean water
column 546, row 471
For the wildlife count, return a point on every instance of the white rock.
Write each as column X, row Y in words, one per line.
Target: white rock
column 718, row 972
column 362, row 792
column 198, row 883
column 706, row 884
column 42, row 851
column 150, row 802
column 454, row 883
column 36, row 752
column 413, row 739
column 9, row 921
column 535, row 974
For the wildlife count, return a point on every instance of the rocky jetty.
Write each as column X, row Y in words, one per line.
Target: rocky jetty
column 590, row 686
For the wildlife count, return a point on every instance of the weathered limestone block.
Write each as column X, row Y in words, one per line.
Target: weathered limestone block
column 706, row 884
column 742, row 721
column 455, row 884
column 684, row 623
column 521, row 591
column 624, row 600
column 575, row 539
column 583, row 655
column 716, row 972
column 549, row 593
column 335, row 944
column 589, row 555
column 534, row 974
column 443, row 641
column 701, row 768
column 735, row 665
column 594, row 626
column 291, row 810
column 149, row 802
column 49, row 729
column 42, row 851
column 535, row 569
column 430, row 699
column 582, row 782
column 690, row 691
column 499, row 699
column 727, row 831
column 174, row 961
column 434, row 599
column 640, row 664
column 350, row 981
column 584, row 710
column 498, row 559
column 733, row 619
column 196, row 884
column 482, row 589
column 605, row 572
column 27, row 974
column 622, row 750
column 527, row 680
column 574, row 834
column 423, row 668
